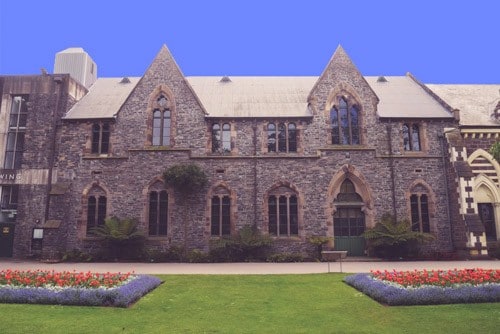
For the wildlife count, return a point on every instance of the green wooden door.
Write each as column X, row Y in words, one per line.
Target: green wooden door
column 348, row 225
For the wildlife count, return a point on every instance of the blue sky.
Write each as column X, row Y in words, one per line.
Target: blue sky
column 437, row 41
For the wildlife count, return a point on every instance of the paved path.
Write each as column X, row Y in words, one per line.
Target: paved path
column 248, row 268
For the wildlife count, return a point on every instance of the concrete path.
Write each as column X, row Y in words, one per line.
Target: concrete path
column 248, row 268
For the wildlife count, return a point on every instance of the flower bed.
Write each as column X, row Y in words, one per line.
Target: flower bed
column 429, row 287
column 72, row 288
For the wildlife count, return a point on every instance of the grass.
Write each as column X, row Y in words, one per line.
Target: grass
column 319, row 303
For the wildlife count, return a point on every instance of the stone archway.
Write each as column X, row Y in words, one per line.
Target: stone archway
column 487, row 197
column 354, row 214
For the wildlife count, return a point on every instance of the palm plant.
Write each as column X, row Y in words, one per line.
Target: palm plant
column 122, row 236
column 392, row 239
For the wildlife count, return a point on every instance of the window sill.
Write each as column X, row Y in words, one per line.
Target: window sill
column 413, row 153
column 286, row 238
column 100, row 156
column 346, row 148
column 158, row 237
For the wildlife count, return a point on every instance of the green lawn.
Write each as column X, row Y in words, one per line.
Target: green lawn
column 318, row 303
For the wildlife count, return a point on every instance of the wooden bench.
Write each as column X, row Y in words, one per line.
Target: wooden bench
column 333, row 256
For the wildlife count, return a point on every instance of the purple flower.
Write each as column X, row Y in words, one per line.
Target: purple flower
column 392, row 294
column 121, row 296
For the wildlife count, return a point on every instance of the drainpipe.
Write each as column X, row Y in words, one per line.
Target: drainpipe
column 391, row 168
column 254, row 128
column 58, row 81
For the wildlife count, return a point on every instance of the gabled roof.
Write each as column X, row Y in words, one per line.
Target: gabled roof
column 253, row 96
column 403, row 97
column 476, row 103
column 104, row 99
column 338, row 66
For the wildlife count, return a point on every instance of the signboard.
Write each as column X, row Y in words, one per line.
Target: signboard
column 10, row 175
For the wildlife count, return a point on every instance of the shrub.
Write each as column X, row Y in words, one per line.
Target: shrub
column 285, row 257
column 76, row 255
column 394, row 239
column 248, row 245
column 495, row 151
column 122, row 238
column 173, row 254
column 197, row 256
column 318, row 242
column 185, row 178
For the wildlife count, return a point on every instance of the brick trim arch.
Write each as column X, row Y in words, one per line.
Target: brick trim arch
column 361, row 187
column 157, row 183
column 82, row 223
column 220, row 187
column 353, row 99
column 431, row 202
column 275, row 190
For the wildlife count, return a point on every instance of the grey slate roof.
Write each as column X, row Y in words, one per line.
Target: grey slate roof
column 402, row 97
column 104, row 99
column 475, row 102
column 254, row 96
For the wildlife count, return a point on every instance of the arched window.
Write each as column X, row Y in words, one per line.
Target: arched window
column 420, row 213
column 161, row 122
column 282, row 139
column 96, row 208
column 421, row 204
column 344, row 121
column 220, row 222
column 411, row 137
column 158, row 212
column 348, row 220
column 283, row 212
column 100, row 138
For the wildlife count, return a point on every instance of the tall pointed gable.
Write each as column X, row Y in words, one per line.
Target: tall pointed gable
column 341, row 69
column 164, row 70
column 163, row 87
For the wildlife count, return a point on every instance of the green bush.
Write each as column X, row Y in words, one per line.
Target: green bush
column 185, row 178
column 248, row 245
column 122, row 238
column 318, row 242
column 197, row 256
column 392, row 239
column 76, row 255
column 495, row 151
column 172, row 254
column 285, row 257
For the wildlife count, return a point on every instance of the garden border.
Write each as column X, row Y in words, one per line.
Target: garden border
column 392, row 295
column 121, row 296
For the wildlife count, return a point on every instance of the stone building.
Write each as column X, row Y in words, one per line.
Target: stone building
column 294, row 156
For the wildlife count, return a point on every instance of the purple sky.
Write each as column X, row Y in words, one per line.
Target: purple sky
column 437, row 41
